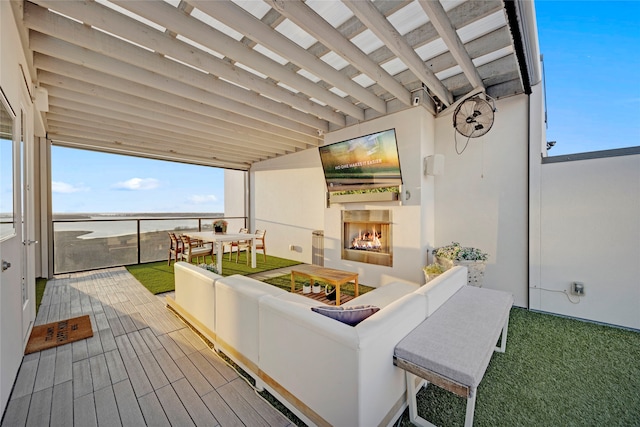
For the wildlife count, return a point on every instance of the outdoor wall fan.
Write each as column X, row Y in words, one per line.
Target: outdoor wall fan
column 473, row 118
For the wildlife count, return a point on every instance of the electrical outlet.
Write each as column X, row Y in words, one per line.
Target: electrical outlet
column 577, row 288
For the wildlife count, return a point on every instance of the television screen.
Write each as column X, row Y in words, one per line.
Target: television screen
column 368, row 161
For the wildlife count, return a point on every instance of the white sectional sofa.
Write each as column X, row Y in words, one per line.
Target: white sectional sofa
column 326, row 372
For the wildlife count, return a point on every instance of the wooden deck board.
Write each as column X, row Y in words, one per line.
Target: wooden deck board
column 141, row 367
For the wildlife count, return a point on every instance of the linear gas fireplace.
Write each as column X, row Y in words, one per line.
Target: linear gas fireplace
column 366, row 236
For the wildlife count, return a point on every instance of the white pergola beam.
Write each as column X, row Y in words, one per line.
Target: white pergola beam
column 243, row 127
column 307, row 19
column 166, row 15
column 367, row 12
column 438, row 17
column 245, row 23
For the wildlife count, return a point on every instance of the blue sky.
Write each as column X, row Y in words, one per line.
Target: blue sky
column 88, row 181
column 591, row 61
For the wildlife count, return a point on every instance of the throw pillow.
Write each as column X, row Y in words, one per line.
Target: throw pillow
column 349, row 315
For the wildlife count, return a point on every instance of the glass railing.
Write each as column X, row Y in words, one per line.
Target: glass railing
column 90, row 244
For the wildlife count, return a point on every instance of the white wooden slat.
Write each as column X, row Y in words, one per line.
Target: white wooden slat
column 169, row 366
column 207, row 370
column 175, row 410
column 26, row 377
column 198, row 411
column 46, row 370
column 152, row 411
column 40, row 408
column 116, row 23
column 266, row 411
column 117, row 370
column 382, row 28
column 129, row 408
column 223, row 413
column 247, row 413
column 154, row 372
column 63, row 366
column 67, row 110
column 242, row 21
column 62, row 404
column 216, row 117
column 71, row 53
column 99, row 372
column 82, row 381
column 441, row 22
column 313, row 23
column 106, row 408
column 193, row 375
column 55, row 25
column 238, row 51
column 17, row 411
column 84, row 411
column 139, row 381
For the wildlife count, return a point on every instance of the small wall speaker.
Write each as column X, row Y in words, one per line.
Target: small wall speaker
column 434, row 165
column 416, row 100
column 42, row 99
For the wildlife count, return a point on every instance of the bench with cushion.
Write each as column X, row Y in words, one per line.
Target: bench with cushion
column 452, row 347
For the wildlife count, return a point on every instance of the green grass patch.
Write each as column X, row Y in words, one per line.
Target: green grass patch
column 284, row 282
column 556, row 372
column 41, row 283
column 158, row 277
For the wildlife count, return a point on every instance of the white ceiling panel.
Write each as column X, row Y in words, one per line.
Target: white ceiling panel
column 121, row 76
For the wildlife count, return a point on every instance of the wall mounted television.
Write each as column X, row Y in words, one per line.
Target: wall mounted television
column 369, row 161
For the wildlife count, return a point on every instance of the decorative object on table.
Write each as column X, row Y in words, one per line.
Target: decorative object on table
column 432, row 271
column 306, row 288
column 210, row 267
column 472, row 258
column 330, row 292
column 316, row 288
column 220, row 226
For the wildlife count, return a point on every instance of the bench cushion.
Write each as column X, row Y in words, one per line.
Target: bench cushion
column 458, row 340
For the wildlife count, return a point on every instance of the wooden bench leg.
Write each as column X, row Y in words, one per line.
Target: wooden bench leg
column 503, row 340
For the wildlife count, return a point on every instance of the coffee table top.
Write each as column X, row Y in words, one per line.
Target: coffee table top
column 329, row 274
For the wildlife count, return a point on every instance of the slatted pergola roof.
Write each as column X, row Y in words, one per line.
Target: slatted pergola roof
column 229, row 83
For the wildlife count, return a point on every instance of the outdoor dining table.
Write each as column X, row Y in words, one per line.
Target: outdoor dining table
column 218, row 241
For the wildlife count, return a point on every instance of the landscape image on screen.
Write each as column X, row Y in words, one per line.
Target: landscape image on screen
column 364, row 162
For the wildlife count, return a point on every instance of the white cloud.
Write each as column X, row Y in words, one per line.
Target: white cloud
column 200, row 199
column 65, row 188
column 135, row 184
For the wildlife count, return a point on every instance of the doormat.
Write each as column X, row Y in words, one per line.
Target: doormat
column 59, row 333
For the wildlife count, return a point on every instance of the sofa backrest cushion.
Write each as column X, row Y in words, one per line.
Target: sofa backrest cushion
column 348, row 315
column 440, row 289
column 384, row 295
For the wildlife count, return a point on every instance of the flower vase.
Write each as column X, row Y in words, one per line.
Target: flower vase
column 475, row 271
column 306, row 289
column 316, row 288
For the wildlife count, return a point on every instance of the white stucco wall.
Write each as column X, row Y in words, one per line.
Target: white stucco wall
column 288, row 202
column 412, row 219
column 481, row 200
column 590, row 232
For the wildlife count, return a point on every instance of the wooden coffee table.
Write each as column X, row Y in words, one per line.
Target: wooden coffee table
column 329, row 275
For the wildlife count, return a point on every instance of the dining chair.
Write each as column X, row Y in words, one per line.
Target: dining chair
column 260, row 243
column 175, row 247
column 240, row 245
column 192, row 250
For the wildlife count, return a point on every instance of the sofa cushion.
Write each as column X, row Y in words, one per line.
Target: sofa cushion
column 384, row 295
column 349, row 315
column 440, row 289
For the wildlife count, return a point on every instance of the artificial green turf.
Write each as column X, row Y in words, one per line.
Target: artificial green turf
column 41, row 283
column 555, row 372
column 158, row 277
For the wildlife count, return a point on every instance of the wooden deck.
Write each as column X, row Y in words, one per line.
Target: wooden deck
column 142, row 366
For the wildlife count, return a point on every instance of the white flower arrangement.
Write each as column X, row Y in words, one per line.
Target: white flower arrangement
column 455, row 252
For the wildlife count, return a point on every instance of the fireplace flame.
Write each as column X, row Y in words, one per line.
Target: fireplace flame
column 369, row 240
